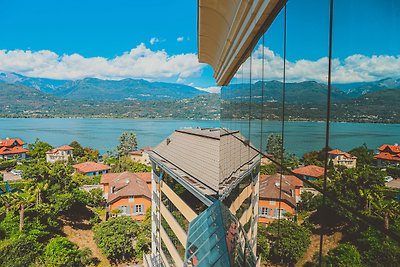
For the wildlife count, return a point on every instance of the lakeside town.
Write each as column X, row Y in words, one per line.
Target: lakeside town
column 72, row 199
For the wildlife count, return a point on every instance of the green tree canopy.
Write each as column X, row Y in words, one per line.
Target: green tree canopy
column 62, row 252
column 291, row 244
column 18, row 252
column 78, row 149
column 115, row 238
column 38, row 149
column 344, row 255
column 127, row 143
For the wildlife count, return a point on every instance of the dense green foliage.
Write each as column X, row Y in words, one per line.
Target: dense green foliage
column 61, row 252
column 7, row 164
column 38, row 149
column 127, row 143
column 78, row 149
column 344, row 255
column 18, row 252
column 126, row 164
column 291, row 243
column 115, row 238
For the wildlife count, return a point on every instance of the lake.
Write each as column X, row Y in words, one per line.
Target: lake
column 103, row 134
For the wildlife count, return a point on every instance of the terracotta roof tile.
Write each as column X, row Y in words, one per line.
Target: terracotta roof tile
column 61, row 148
column 310, row 170
column 270, row 184
column 10, row 142
column 339, row 152
column 140, row 151
column 12, row 150
column 127, row 184
column 394, row 149
column 90, row 166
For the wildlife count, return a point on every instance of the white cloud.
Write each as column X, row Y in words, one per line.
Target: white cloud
column 180, row 39
column 355, row 68
column 139, row 62
column 154, row 40
column 211, row 89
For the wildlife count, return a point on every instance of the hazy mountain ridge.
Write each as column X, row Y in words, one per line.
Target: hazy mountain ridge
column 97, row 89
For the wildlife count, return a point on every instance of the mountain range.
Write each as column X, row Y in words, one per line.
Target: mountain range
column 22, row 96
column 105, row 90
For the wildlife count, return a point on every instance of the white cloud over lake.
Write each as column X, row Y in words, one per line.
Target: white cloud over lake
column 139, row 62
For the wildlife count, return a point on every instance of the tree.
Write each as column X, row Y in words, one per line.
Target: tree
column 115, row 238
column 343, row 255
column 274, row 145
column 309, row 201
column 143, row 244
column 378, row 250
column 62, row 252
column 78, row 149
column 127, row 143
column 263, row 246
column 18, row 252
column 38, row 149
column 126, row 164
column 365, row 156
column 291, row 244
column 387, row 208
column 22, row 201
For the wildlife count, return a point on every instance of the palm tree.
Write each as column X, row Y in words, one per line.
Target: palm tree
column 37, row 190
column 22, row 201
column 386, row 208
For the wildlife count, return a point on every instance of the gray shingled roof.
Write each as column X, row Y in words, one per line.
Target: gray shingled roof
column 213, row 157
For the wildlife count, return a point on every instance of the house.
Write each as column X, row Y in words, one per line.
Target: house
column 12, row 148
column 108, row 177
column 127, row 192
column 310, row 172
column 340, row 158
column 62, row 153
column 388, row 155
column 269, row 196
column 266, row 159
column 140, row 155
column 91, row 168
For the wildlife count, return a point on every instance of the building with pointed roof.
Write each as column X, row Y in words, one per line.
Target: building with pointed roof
column 128, row 193
column 91, row 168
column 11, row 148
column 340, row 158
column 62, row 153
column 388, row 155
column 205, row 186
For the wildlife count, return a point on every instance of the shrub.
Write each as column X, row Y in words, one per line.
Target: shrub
column 115, row 238
column 292, row 243
column 7, row 164
column 62, row 252
column 18, row 252
column 344, row 255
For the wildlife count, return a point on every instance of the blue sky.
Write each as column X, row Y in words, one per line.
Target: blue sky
column 109, row 39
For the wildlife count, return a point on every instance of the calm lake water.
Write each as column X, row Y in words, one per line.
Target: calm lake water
column 103, row 134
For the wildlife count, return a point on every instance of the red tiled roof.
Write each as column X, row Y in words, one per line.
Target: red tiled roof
column 61, row 148
column 145, row 176
column 127, row 184
column 109, row 177
column 10, row 142
column 12, row 150
column 270, row 184
column 91, row 167
column 310, row 170
column 140, row 151
column 339, row 152
column 394, row 149
column 388, row 156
